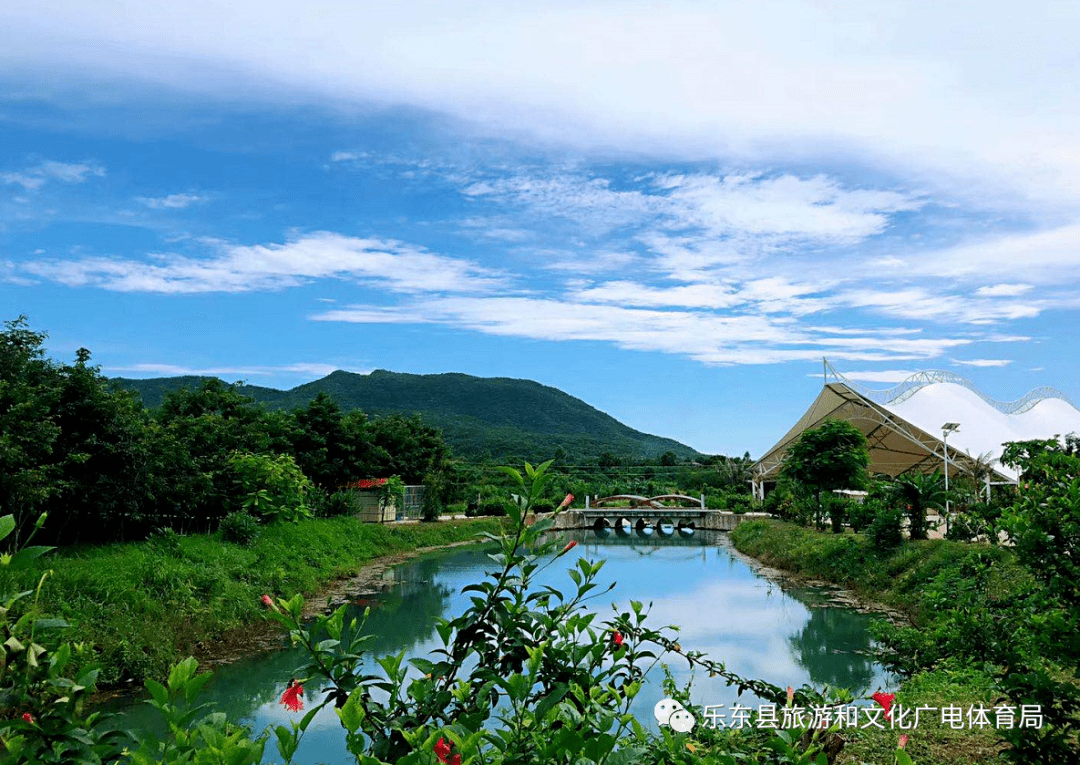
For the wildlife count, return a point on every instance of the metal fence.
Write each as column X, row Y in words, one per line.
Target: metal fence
column 413, row 506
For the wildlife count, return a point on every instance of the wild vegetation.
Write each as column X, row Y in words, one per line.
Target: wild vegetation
column 993, row 621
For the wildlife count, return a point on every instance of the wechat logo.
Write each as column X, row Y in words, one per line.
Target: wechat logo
column 672, row 713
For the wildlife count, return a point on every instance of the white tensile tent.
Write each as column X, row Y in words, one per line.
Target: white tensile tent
column 904, row 425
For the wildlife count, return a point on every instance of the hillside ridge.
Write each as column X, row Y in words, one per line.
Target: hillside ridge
column 496, row 417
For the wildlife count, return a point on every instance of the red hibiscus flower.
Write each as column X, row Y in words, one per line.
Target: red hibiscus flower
column 291, row 698
column 886, row 700
column 26, row 716
column 616, row 638
column 442, row 750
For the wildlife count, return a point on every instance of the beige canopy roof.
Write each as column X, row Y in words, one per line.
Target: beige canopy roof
column 897, row 446
column 904, row 425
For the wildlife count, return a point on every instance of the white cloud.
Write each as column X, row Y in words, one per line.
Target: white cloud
column 396, row 266
column 706, row 337
column 965, row 94
column 33, row 178
column 983, row 362
column 1003, row 290
column 1046, row 256
column 923, row 304
column 348, row 156
column 171, row 201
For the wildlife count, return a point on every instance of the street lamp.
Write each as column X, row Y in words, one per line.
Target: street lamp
column 946, row 429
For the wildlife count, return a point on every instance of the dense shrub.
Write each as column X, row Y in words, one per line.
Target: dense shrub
column 836, row 508
column 884, row 529
column 861, row 514
column 337, row 503
column 272, row 488
column 240, row 528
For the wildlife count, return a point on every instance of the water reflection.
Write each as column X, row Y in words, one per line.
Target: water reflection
column 786, row 637
column 833, row 646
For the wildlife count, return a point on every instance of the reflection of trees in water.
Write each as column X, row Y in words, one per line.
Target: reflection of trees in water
column 404, row 617
column 833, row 647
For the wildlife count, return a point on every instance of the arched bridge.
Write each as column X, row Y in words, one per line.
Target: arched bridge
column 639, row 513
column 635, row 500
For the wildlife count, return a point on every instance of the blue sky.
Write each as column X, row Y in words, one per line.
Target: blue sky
column 671, row 211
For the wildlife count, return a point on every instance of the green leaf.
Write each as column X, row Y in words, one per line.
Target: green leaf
column 7, row 525
column 157, row 692
column 352, row 714
column 27, row 554
column 510, row 472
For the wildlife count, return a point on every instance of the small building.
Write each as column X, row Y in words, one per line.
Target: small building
column 369, row 496
column 368, row 500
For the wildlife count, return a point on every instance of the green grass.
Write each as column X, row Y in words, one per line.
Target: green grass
column 142, row 606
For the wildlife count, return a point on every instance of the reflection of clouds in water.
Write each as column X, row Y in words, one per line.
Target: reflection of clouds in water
column 728, row 608
column 722, row 608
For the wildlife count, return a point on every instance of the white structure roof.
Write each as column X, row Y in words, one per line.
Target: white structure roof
column 904, row 424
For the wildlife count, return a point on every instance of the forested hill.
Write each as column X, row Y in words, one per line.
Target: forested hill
column 495, row 417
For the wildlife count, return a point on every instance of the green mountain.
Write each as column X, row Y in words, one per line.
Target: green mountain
column 495, row 417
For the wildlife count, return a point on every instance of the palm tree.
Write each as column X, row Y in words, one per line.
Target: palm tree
column 918, row 493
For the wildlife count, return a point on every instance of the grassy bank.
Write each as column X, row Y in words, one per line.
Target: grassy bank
column 924, row 580
column 141, row 606
column 903, row 578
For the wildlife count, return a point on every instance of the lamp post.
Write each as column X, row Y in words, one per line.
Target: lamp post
column 946, row 429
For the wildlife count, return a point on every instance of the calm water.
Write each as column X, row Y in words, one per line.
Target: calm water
column 784, row 637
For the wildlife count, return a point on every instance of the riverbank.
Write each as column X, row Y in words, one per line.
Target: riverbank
column 139, row 607
column 909, row 580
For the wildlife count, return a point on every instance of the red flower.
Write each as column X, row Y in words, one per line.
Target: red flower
column 790, row 694
column 569, row 546
column 885, row 699
column 566, row 501
column 291, row 698
column 902, row 742
column 268, row 601
column 616, row 638
column 442, row 750
column 28, row 717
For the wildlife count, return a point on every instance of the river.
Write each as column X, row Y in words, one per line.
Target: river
column 723, row 607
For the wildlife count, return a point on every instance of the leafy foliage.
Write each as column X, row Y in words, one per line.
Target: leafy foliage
column 272, row 488
column 824, row 459
column 918, row 493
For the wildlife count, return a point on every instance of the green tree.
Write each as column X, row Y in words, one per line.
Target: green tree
column 333, row 448
column 833, row 456
column 209, row 424
column 28, row 432
column 917, row 494
column 409, row 448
